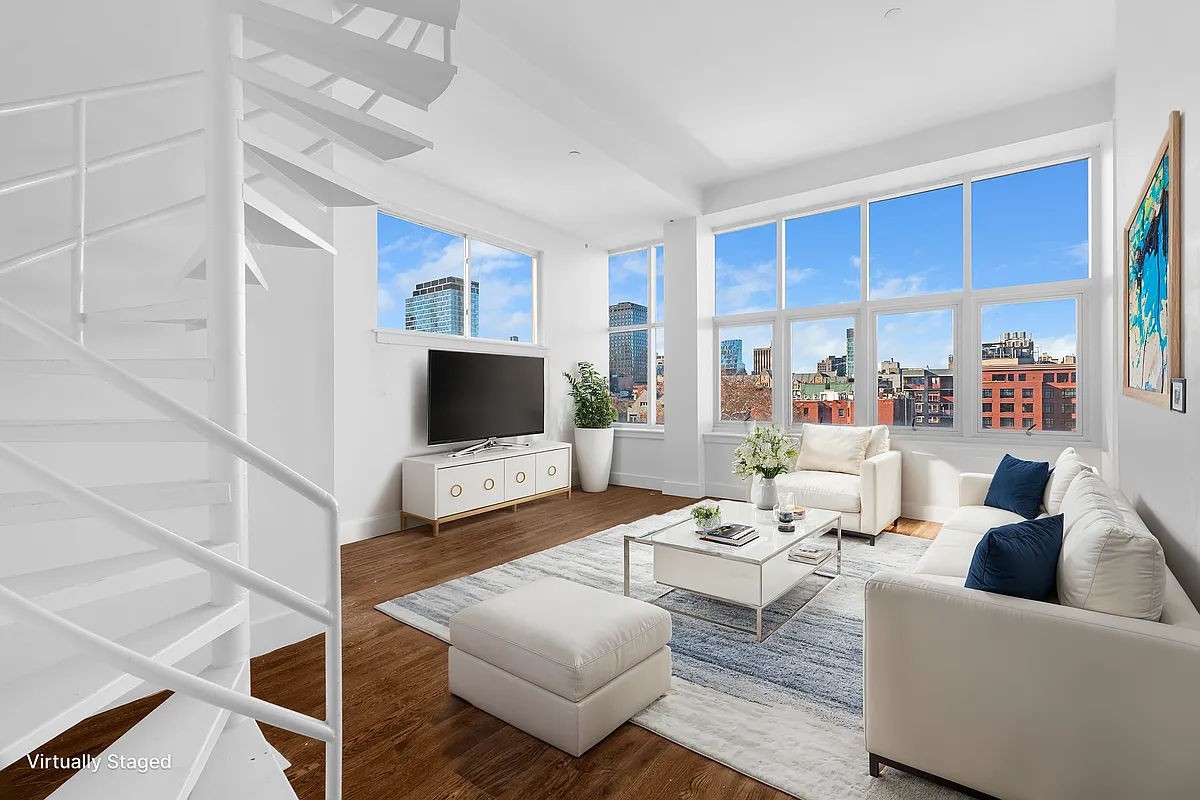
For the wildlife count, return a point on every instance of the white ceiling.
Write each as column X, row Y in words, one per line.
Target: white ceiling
column 670, row 97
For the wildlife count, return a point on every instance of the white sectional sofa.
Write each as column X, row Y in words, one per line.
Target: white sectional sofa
column 848, row 469
column 1031, row 700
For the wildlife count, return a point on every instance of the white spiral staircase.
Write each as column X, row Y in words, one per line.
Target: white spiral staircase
column 208, row 725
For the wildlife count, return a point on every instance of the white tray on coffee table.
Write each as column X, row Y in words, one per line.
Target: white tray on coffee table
column 754, row 575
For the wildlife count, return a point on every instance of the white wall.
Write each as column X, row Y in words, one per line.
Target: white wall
column 380, row 403
column 1157, row 69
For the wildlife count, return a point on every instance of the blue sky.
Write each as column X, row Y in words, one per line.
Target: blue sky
column 410, row 253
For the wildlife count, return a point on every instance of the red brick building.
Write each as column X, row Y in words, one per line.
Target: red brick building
column 1041, row 395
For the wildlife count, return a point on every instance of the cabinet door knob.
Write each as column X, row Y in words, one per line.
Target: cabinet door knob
column 520, row 477
column 455, row 490
column 552, row 471
column 489, row 484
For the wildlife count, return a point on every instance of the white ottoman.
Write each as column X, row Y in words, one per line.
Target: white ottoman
column 563, row 662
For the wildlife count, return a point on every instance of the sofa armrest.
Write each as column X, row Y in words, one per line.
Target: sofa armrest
column 964, row 684
column 880, row 491
column 973, row 488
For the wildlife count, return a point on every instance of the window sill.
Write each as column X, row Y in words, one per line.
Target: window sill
column 628, row 431
column 953, row 438
column 442, row 341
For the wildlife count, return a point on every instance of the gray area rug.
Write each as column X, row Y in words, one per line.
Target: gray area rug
column 786, row 711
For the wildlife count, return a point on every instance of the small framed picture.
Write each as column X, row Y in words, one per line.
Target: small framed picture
column 1179, row 395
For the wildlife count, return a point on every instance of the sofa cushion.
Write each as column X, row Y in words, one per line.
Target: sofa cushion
column 833, row 448
column 832, row 491
column 1109, row 563
column 1019, row 560
column 880, row 441
column 949, row 555
column 1065, row 469
column 1018, row 486
column 979, row 519
column 566, row 638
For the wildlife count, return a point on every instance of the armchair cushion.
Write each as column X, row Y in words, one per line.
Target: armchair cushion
column 832, row 491
column 833, row 448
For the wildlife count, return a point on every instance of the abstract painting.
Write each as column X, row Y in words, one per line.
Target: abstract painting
column 1153, row 289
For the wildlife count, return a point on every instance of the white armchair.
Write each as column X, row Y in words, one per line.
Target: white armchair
column 835, row 472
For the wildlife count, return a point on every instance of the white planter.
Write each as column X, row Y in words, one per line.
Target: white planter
column 593, row 453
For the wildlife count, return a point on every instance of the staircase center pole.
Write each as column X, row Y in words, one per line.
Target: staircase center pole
column 225, row 232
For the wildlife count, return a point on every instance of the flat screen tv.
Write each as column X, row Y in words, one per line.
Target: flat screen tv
column 484, row 396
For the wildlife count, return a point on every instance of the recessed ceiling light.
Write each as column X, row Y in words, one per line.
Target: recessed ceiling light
column 893, row 13
column 574, row 153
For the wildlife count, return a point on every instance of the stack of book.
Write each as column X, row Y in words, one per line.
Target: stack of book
column 733, row 535
column 808, row 554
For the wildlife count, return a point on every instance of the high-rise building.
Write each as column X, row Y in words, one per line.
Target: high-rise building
column 628, row 351
column 438, row 306
column 849, row 353
column 832, row 365
column 731, row 357
column 762, row 360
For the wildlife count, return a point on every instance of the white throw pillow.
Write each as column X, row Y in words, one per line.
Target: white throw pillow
column 833, row 448
column 880, row 441
column 1108, row 563
column 1065, row 468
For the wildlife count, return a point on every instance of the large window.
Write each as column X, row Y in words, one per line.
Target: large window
column 636, row 358
column 423, row 280
column 981, row 283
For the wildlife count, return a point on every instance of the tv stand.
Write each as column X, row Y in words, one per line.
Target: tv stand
column 491, row 444
column 443, row 487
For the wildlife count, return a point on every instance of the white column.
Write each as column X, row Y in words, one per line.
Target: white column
column 689, row 255
column 225, row 231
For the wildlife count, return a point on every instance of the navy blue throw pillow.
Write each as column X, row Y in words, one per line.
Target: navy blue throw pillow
column 1018, row 485
column 1020, row 559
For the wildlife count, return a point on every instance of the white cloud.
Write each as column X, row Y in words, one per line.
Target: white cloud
column 749, row 288
column 1077, row 253
column 1059, row 346
column 813, row 341
column 386, row 301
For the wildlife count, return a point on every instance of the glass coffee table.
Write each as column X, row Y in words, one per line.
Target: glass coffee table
column 754, row 575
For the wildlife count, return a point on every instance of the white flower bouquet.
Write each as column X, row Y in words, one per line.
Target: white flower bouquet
column 767, row 451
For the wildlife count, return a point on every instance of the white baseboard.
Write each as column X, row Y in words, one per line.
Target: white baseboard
column 729, row 491
column 356, row 530
column 925, row 512
column 676, row 489
column 636, row 481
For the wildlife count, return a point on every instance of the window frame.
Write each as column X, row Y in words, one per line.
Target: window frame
column 402, row 336
column 652, row 329
column 966, row 305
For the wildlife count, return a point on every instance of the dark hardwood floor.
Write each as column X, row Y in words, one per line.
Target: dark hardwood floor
column 405, row 736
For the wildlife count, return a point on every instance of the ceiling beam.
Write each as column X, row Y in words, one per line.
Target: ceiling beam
column 479, row 51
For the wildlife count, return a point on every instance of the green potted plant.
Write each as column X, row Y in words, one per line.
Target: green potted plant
column 707, row 517
column 767, row 452
column 594, row 416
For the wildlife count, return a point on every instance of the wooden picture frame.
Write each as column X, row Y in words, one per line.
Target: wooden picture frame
column 1150, row 380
